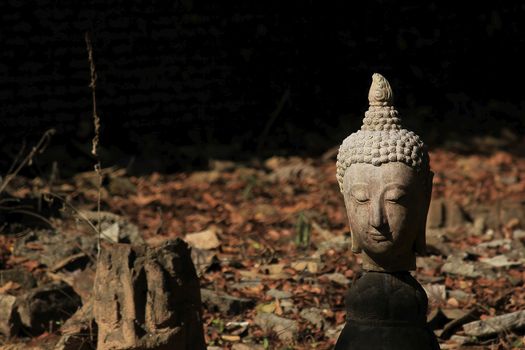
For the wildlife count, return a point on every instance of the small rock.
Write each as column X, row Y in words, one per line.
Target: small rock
column 206, row 239
column 338, row 278
column 47, row 304
column 288, row 306
column 496, row 243
column 111, row 233
column 456, row 266
column 225, row 303
column 314, row 316
column 499, row 261
column 203, row 259
column 285, row 329
column 518, row 234
column 460, row 295
column 230, row 338
column 278, row 294
column 495, row 325
column 9, row 321
column 240, row 346
column 237, row 328
column 114, row 226
column 244, row 283
column 306, row 265
column 338, row 244
column 20, row 276
column 204, row 177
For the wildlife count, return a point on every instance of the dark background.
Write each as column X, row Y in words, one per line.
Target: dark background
column 184, row 81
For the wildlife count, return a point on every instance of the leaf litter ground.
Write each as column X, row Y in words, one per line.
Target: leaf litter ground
column 271, row 245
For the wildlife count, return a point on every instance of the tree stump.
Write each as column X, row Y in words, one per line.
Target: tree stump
column 147, row 298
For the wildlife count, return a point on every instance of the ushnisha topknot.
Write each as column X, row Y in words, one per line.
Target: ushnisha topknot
column 381, row 138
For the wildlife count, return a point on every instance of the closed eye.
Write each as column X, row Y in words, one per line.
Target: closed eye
column 360, row 197
column 361, row 200
column 396, row 196
column 397, row 200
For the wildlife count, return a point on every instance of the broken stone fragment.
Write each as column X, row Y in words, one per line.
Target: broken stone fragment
column 79, row 331
column 20, row 276
column 147, row 298
column 225, row 303
column 279, row 294
column 338, row 278
column 495, row 325
column 285, row 329
column 314, row 316
column 205, row 240
column 9, row 319
column 50, row 248
column 45, row 308
column 114, row 228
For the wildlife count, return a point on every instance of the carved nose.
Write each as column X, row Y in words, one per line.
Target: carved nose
column 376, row 215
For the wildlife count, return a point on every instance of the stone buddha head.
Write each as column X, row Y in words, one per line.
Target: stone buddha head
column 384, row 175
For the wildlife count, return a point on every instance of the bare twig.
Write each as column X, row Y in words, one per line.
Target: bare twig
column 96, row 123
column 38, row 149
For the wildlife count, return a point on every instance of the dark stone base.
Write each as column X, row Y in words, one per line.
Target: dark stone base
column 386, row 311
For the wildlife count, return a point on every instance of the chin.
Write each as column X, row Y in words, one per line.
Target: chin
column 374, row 247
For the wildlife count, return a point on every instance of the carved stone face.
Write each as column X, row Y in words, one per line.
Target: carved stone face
column 387, row 207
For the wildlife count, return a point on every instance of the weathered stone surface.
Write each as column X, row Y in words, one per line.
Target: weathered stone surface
column 495, row 325
column 205, row 240
column 240, row 346
column 285, row 329
column 43, row 308
column 24, row 278
column 9, row 319
column 49, row 247
column 338, row 278
column 314, row 316
column 225, row 303
column 79, row 331
column 279, row 294
column 147, row 298
column 114, row 228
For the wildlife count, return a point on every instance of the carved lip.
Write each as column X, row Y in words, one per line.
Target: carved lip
column 378, row 236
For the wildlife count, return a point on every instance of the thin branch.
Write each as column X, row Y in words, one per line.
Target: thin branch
column 96, row 123
column 38, row 149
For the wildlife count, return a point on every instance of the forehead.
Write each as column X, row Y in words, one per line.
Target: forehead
column 386, row 173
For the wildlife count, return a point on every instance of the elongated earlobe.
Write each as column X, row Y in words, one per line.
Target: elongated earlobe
column 420, row 245
column 355, row 245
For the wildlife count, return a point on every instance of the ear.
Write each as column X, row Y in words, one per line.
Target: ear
column 420, row 245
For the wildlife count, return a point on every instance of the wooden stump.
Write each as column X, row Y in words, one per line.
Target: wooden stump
column 147, row 298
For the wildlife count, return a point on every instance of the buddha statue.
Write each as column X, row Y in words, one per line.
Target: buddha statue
column 384, row 175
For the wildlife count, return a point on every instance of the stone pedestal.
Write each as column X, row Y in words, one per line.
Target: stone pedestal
column 386, row 311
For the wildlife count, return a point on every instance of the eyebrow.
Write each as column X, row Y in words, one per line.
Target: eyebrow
column 359, row 184
column 395, row 185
